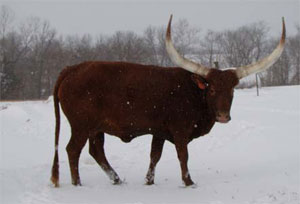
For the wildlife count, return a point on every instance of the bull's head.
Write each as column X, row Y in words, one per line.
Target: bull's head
column 219, row 84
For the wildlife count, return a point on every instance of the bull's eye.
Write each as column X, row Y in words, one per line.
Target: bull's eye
column 212, row 91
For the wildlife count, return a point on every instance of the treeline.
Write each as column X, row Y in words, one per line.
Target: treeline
column 32, row 53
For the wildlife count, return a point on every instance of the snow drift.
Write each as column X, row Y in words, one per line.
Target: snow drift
column 253, row 159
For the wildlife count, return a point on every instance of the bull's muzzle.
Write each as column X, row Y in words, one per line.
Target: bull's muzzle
column 223, row 117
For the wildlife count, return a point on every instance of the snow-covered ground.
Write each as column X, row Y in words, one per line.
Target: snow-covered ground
column 255, row 159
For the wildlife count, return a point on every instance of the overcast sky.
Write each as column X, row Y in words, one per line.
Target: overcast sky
column 106, row 17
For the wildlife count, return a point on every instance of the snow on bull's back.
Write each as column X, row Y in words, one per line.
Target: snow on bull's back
column 252, row 159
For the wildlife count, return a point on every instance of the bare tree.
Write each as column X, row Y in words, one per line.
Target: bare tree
column 79, row 48
column 127, row 46
column 243, row 46
column 163, row 59
column 32, row 55
column 279, row 74
column 185, row 38
column 210, row 50
column 14, row 46
column 42, row 40
column 6, row 17
column 151, row 44
column 293, row 50
column 102, row 51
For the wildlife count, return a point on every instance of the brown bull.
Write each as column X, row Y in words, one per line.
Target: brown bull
column 129, row 100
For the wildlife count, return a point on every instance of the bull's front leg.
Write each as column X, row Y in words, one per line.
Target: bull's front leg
column 155, row 155
column 182, row 153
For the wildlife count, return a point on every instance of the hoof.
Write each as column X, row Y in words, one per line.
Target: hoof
column 189, row 183
column 149, row 183
column 76, row 183
column 55, row 182
column 117, row 182
column 192, row 186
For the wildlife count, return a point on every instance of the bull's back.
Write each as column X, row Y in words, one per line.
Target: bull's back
column 119, row 98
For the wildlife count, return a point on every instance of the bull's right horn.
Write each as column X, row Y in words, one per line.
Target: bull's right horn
column 181, row 61
column 266, row 62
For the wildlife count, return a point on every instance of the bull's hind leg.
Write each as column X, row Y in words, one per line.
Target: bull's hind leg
column 74, row 148
column 97, row 151
column 156, row 150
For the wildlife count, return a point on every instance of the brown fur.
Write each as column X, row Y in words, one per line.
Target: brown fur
column 129, row 100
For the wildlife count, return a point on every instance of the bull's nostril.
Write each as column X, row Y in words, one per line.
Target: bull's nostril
column 223, row 117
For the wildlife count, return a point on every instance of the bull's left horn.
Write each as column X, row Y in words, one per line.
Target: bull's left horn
column 266, row 62
column 181, row 61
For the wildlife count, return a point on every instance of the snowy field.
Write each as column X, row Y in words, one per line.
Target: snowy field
column 254, row 159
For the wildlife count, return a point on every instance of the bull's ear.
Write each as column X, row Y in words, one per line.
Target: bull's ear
column 199, row 81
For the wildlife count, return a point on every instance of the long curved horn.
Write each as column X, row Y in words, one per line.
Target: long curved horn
column 266, row 62
column 181, row 61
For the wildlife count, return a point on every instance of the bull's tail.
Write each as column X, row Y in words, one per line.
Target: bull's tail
column 55, row 167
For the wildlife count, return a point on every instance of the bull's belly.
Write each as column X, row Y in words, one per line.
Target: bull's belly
column 125, row 131
column 124, row 136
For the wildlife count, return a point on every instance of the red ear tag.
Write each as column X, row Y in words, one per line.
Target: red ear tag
column 201, row 85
